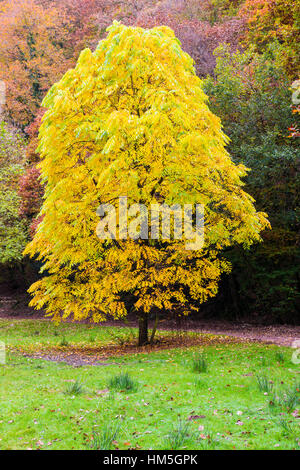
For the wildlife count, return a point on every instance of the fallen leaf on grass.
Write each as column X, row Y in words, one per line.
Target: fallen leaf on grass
column 194, row 417
column 101, row 392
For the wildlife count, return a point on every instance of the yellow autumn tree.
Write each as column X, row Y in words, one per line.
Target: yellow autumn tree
column 131, row 120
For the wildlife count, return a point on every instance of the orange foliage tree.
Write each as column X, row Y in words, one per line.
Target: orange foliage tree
column 41, row 39
column 34, row 52
column 275, row 20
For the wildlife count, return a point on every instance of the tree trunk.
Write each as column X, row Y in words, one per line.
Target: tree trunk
column 154, row 329
column 143, row 329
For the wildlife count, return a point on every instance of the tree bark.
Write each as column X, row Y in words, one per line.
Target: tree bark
column 154, row 329
column 143, row 329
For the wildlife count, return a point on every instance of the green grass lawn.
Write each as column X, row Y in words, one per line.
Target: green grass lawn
column 40, row 334
column 246, row 399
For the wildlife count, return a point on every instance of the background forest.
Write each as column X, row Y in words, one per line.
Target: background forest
column 246, row 52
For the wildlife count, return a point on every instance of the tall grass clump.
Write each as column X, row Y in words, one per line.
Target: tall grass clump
column 178, row 436
column 290, row 398
column 75, row 388
column 199, row 383
column 279, row 356
column 199, row 364
column 264, row 383
column 103, row 440
column 122, row 381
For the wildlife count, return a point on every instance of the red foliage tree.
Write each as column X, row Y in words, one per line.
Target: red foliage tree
column 31, row 193
column 198, row 38
column 30, row 188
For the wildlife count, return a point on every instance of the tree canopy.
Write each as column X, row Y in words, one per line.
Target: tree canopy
column 131, row 119
column 13, row 236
